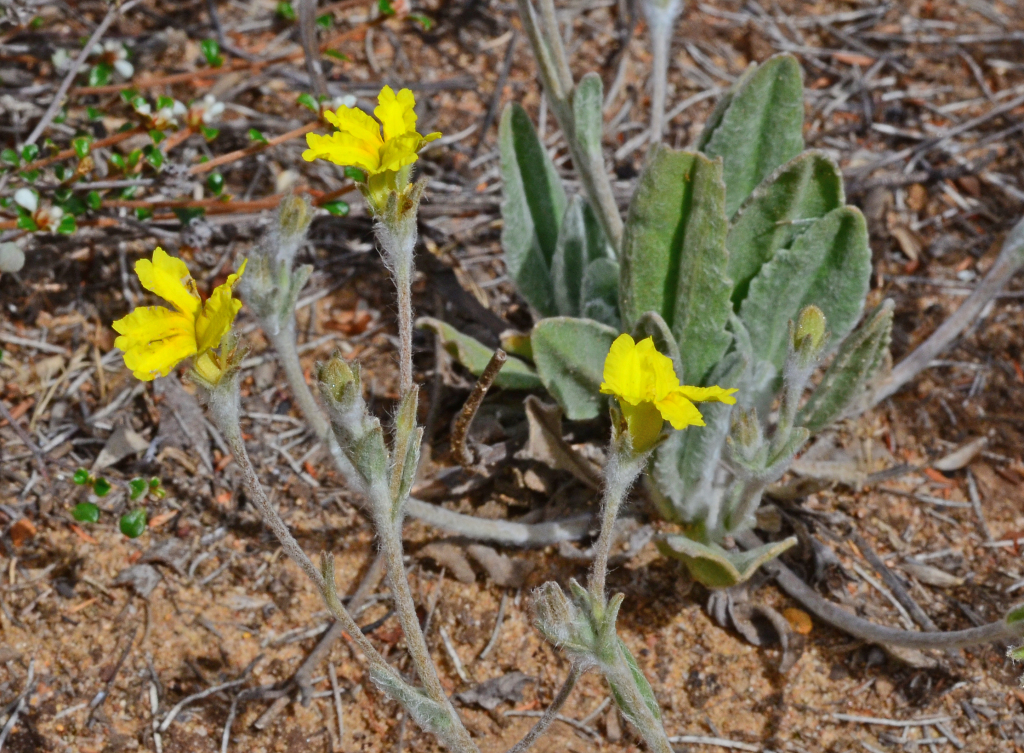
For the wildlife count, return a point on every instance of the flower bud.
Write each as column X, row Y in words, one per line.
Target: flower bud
column 810, row 329
column 293, row 217
column 335, row 376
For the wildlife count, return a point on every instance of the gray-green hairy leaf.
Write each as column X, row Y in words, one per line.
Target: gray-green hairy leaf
column 780, row 209
column 828, row 266
column 474, row 355
column 587, row 104
column 759, row 129
column 532, row 209
column 714, row 566
column 570, row 354
column 580, row 243
column 855, row 364
column 674, row 258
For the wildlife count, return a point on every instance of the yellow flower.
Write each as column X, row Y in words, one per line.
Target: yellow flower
column 358, row 141
column 649, row 392
column 156, row 339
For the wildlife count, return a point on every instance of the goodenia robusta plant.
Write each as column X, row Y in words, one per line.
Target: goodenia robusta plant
column 740, row 258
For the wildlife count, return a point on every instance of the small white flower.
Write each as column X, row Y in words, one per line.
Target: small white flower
column 27, row 199
column 142, row 107
column 61, row 60
column 125, row 68
column 348, row 100
column 51, row 216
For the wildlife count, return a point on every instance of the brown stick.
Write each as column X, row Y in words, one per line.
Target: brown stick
column 254, row 149
column 476, row 397
column 67, row 153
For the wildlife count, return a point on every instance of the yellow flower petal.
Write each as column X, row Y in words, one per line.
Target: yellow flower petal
column 708, row 394
column 169, row 278
column 218, row 313
column 356, row 124
column 431, row 137
column 396, row 112
column 679, row 411
column 343, row 149
column 622, row 371
column 155, row 340
column 399, row 152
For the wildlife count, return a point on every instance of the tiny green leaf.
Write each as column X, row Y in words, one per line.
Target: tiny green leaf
column 117, row 161
column 133, row 524
column 209, row 133
column 81, row 477
column 354, row 173
column 29, row 152
column 73, row 206
column 153, row 156
column 326, row 21
column 337, row 208
column 211, row 51
column 25, row 222
column 99, row 75
column 85, row 512
column 101, row 486
column 186, row 214
column 10, row 157
column 137, row 487
column 93, row 114
column 156, row 135
column 306, row 100
column 62, row 116
column 60, row 172
column 425, row 21
column 143, row 214
column 82, row 146
column 285, row 11
column 94, row 200
column 215, row 182
column 1015, row 615
column 164, row 102
column 255, row 135
column 337, row 55
column 128, row 96
column 30, row 175
column 384, row 6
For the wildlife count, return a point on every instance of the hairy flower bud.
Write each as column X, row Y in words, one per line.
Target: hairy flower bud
column 810, row 329
column 294, row 215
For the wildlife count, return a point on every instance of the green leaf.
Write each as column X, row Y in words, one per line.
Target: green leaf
column 143, row 214
column 128, row 97
column 783, row 207
column 674, row 258
column 285, row 11
column 215, row 182
column 117, row 161
column 209, row 133
column 828, row 266
column 67, row 225
column 94, row 200
column 326, row 21
column 587, row 105
column 99, row 75
column 532, row 208
column 474, row 355
column 128, row 192
column 61, row 116
column 85, row 512
column 30, row 175
column 185, row 215
column 569, row 354
column 580, row 241
column 164, row 101
column 338, row 208
column 133, row 524
column 211, row 51
column 60, row 172
column 759, row 128
column 10, row 157
column 1015, row 615
column 82, row 477
column 255, row 135
column 600, row 293
column 384, row 6
column 337, row 55
column 354, row 173
column 153, row 156
column 686, row 464
column 73, row 206
column 856, row 363
column 156, row 135
column 25, row 222
column 136, row 488
column 100, row 486
column 93, row 114
column 306, row 100
column 715, row 567
column 425, row 21
column 29, row 152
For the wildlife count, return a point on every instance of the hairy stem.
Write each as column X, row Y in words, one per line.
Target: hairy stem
column 619, row 474
column 661, row 17
column 575, row 672
column 224, row 411
column 868, row 631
